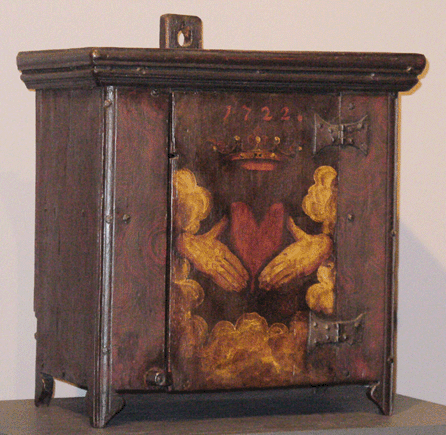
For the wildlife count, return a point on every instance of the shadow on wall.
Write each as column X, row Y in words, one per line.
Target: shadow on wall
column 17, row 199
column 421, row 321
column 17, row 283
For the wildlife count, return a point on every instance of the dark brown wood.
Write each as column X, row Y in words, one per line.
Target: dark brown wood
column 139, row 291
column 68, row 228
column 365, row 242
column 181, row 31
column 219, row 69
column 126, row 302
column 102, row 401
column 44, row 388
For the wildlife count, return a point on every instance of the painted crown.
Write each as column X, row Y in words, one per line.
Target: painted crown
column 255, row 147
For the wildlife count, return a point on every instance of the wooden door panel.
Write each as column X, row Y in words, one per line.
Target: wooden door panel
column 253, row 238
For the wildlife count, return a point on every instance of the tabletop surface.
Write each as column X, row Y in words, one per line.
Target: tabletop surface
column 327, row 411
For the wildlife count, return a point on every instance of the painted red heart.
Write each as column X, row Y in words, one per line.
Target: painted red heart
column 255, row 243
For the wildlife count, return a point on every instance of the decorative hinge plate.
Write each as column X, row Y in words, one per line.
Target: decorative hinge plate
column 323, row 331
column 354, row 134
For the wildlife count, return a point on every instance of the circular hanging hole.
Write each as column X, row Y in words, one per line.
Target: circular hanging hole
column 184, row 37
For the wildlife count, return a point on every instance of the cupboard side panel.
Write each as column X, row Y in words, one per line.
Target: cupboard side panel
column 68, row 227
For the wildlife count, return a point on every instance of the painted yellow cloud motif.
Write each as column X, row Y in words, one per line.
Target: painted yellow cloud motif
column 192, row 329
column 320, row 296
column 192, row 292
column 193, row 203
column 320, row 202
column 249, row 352
column 253, row 353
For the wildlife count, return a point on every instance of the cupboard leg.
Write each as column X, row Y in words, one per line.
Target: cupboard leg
column 382, row 397
column 44, row 389
column 102, row 408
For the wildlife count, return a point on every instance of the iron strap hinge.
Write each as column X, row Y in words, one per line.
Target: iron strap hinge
column 354, row 134
column 322, row 331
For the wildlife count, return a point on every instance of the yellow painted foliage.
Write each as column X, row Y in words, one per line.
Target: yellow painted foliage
column 192, row 202
column 320, row 296
column 320, row 202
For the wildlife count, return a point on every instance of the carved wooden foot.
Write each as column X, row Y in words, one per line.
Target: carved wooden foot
column 102, row 408
column 379, row 395
column 44, row 389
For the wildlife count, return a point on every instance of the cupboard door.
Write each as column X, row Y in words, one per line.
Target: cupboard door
column 280, row 261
